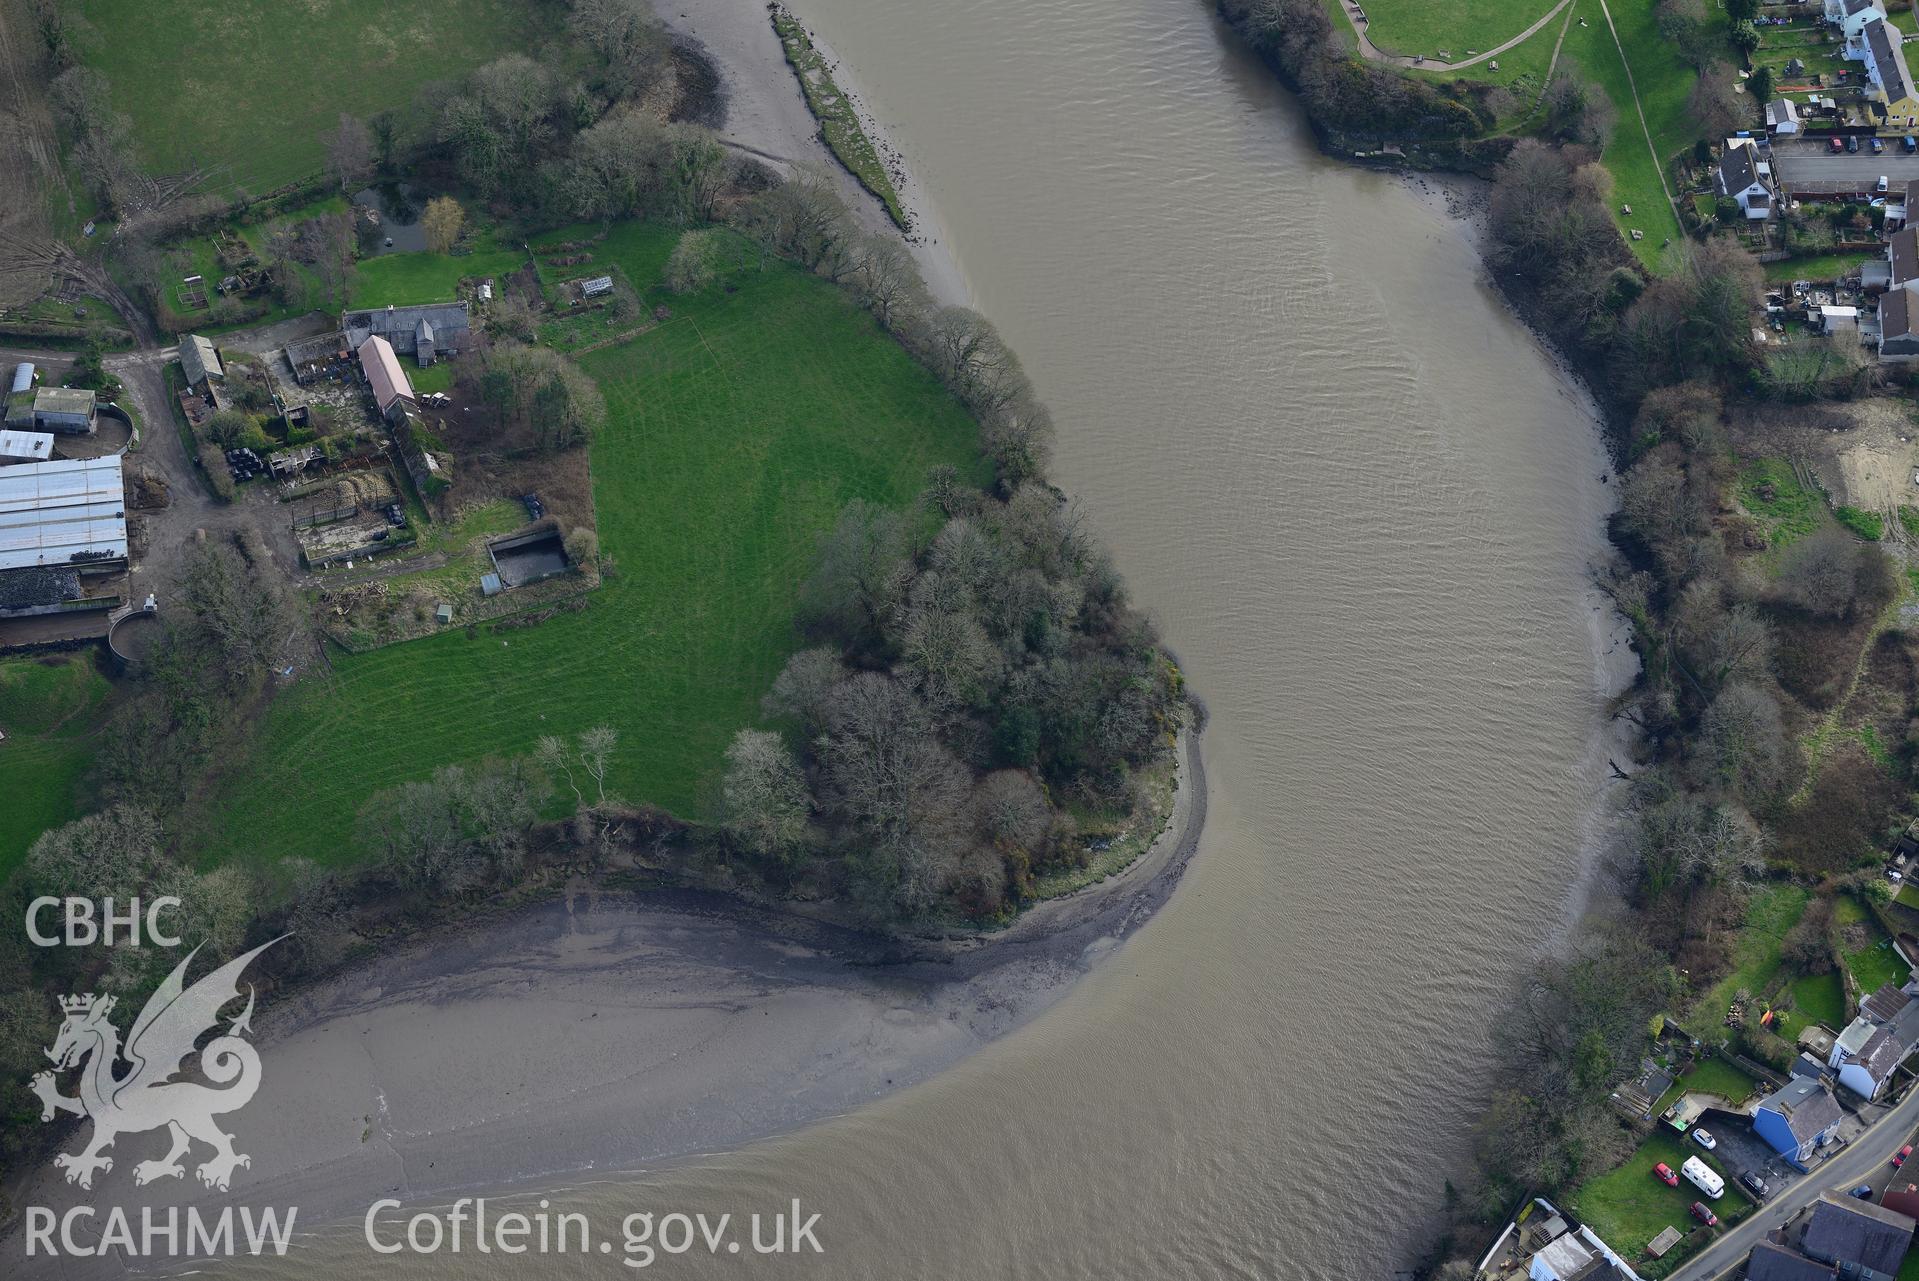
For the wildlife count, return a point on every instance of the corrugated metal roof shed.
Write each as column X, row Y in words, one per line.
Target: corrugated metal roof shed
column 25, row 446
column 199, row 361
column 22, row 376
column 62, row 513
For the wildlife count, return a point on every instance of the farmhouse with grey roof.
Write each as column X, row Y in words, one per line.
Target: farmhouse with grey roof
column 426, row 333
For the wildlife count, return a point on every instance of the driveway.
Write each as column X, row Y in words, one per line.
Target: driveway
column 1869, row 1155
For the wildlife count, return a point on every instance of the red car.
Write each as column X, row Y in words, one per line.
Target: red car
column 1900, row 1160
column 1703, row 1212
column 1664, row 1174
column 1836, row 144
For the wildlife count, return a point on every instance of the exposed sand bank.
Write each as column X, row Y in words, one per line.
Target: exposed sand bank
column 598, row 1036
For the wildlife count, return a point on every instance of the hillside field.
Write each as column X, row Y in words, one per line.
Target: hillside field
column 251, row 89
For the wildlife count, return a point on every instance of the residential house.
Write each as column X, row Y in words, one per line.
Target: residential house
column 1782, row 117
column 1898, row 330
column 200, row 361
column 392, row 391
column 1798, row 1119
column 1869, row 1071
column 1745, row 177
column 1902, row 252
column 1862, row 1240
column 426, row 333
column 1886, row 68
column 1852, row 17
column 1773, row 1262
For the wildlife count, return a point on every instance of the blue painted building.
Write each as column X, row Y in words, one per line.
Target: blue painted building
column 1798, row 1120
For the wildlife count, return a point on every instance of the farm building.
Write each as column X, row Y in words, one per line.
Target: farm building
column 308, row 357
column 425, row 333
column 392, row 391
column 66, row 411
column 24, row 447
column 63, row 513
column 200, row 361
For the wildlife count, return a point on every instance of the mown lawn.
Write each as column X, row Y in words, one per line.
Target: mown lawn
column 249, row 90
column 1628, row 1206
column 1819, row 268
column 402, row 280
column 738, row 430
column 1817, row 998
column 1418, row 27
column 49, row 709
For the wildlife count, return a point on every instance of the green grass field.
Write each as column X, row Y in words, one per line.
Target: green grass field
column 251, row 89
column 401, row 280
column 738, row 429
column 1663, row 81
column 1628, row 1207
column 49, row 708
column 1417, row 27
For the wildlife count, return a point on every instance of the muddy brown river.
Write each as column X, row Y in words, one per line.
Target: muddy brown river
column 1362, row 502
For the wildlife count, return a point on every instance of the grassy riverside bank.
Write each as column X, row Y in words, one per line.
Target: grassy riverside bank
column 839, row 123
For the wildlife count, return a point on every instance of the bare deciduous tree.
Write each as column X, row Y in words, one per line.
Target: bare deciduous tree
column 349, row 153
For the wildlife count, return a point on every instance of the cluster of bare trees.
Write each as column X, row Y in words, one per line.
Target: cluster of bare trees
column 543, row 399
column 99, row 139
column 972, row 671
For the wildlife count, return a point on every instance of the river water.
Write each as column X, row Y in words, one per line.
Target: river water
column 1362, row 503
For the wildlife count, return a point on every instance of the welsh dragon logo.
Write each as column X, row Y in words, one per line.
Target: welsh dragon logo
column 147, row 1097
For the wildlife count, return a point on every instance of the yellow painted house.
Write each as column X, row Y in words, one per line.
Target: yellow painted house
column 1886, row 64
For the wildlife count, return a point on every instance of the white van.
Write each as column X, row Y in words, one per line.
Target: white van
column 1701, row 1176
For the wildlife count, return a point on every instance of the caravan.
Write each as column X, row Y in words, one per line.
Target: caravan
column 1703, row 1177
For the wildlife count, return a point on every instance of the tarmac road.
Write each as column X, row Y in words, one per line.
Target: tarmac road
column 1868, row 1155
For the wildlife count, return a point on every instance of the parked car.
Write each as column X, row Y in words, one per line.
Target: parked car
column 1852, row 145
column 1704, row 1139
column 1863, row 1192
column 534, row 507
column 1664, row 1173
column 1703, row 1212
column 1894, row 875
column 1910, row 143
column 1900, row 1159
column 1885, row 183
column 1877, row 146
column 1754, row 1184
column 1835, row 144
